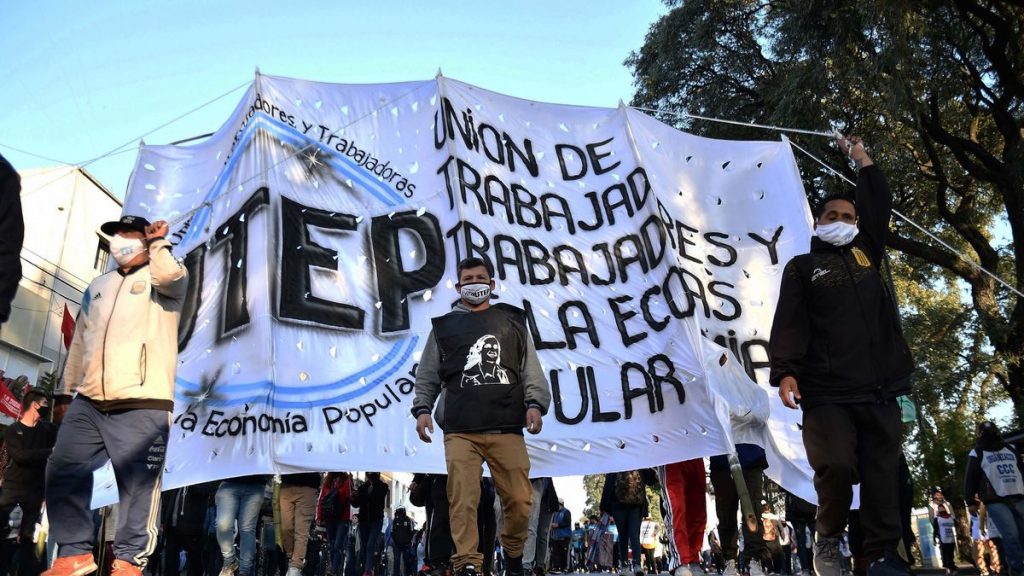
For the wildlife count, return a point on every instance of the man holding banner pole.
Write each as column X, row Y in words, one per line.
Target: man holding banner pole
column 837, row 350
column 480, row 362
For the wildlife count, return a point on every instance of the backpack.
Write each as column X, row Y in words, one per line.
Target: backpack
column 629, row 488
column 330, row 505
column 401, row 532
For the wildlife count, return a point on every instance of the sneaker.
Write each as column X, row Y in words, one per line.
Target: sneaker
column 889, row 565
column 730, row 568
column 78, row 565
column 468, row 570
column 755, row 569
column 122, row 568
column 826, row 557
column 230, row 568
column 697, row 570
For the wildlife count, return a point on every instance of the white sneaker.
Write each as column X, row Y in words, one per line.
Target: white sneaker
column 293, row 571
column 755, row 568
column 730, row 568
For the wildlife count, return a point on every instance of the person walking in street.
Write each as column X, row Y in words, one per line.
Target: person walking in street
column 29, row 442
column 986, row 555
column 334, row 513
column 561, row 535
column 684, row 491
column 371, row 498
column 239, row 501
column 727, row 506
column 298, row 496
column 544, row 504
column 837, row 350
column 995, row 477
column 624, row 497
column 481, row 361
column 122, row 364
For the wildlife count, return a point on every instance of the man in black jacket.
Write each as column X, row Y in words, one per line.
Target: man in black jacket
column 837, row 349
column 29, row 442
column 12, row 233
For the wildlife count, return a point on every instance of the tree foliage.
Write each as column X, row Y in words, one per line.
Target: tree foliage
column 936, row 88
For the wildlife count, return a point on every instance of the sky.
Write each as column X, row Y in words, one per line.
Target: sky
column 83, row 79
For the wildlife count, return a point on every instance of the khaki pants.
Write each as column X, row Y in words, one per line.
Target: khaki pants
column 298, row 504
column 506, row 457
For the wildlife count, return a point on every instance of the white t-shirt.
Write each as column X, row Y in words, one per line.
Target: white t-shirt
column 1002, row 471
column 947, row 530
column 976, row 528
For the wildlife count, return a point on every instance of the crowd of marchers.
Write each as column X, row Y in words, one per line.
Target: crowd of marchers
column 837, row 353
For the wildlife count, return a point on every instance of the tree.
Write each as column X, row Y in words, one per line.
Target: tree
column 937, row 88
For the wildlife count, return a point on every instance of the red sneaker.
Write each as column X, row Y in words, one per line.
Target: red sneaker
column 78, row 565
column 122, row 568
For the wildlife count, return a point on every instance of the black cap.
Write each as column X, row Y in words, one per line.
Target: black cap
column 137, row 223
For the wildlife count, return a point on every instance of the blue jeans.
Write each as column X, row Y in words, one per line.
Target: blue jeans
column 239, row 501
column 627, row 520
column 337, row 535
column 369, row 536
column 1009, row 519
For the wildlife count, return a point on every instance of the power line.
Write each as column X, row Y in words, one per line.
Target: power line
column 118, row 149
column 902, row 216
column 40, row 156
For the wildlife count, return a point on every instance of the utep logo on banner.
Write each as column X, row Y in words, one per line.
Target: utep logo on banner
column 321, row 226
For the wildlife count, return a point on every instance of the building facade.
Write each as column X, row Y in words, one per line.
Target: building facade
column 63, row 251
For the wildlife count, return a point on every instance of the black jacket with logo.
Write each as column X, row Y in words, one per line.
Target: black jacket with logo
column 836, row 328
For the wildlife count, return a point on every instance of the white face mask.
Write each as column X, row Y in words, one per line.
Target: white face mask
column 837, row 233
column 475, row 293
column 124, row 250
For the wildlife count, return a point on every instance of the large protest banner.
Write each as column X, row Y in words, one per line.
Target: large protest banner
column 321, row 226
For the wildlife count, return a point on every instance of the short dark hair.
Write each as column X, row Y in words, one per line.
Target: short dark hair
column 473, row 262
column 819, row 209
column 30, row 397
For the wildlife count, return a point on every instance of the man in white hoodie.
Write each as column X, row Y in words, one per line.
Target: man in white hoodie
column 121, row 366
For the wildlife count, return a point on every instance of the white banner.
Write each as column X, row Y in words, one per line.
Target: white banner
column 328, row 220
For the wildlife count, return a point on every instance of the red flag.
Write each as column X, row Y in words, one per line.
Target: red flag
column 9, row 403
column 67, row 327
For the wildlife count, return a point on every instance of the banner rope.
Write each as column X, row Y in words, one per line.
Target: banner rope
column 120, row 149
column 737, row 123
column 928, row 233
